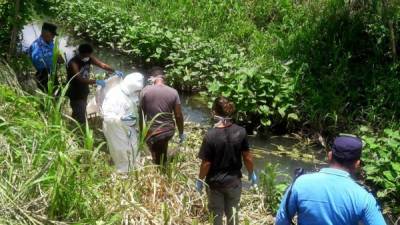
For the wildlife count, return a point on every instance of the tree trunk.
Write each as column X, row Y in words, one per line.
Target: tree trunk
column 14, row 31
column 389, row 23
column 392, row 39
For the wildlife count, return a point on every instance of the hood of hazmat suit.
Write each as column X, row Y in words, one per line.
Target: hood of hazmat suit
column 120, row 113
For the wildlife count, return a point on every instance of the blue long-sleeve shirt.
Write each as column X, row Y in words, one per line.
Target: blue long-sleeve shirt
column 41, row 54
column 329, row 197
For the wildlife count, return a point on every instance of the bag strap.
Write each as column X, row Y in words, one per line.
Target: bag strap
column 297, row 173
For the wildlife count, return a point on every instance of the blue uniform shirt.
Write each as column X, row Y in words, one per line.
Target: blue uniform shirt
column 329, row 197
column 41, row 54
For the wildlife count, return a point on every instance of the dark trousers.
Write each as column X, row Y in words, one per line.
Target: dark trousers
column 225, row 200
column 158, row 145
column 42, row 80
column 79, row 109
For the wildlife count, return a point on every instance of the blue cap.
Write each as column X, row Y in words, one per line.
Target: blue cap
column 347, row 147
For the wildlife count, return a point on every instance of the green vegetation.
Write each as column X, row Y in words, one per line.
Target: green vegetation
column 13, row 16
column 261, row 89
column 274, row 185
column 51, row 174
column 382, row 166
column 324, row 66
column 325, row 63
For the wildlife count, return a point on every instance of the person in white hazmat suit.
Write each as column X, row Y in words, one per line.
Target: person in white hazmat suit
column 120, row 115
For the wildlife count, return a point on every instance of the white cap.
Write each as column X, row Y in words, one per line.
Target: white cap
column 132, row 83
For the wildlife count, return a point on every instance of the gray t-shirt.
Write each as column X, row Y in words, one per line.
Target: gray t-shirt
column 156, row 99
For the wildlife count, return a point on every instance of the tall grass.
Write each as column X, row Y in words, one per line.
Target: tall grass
column 50, row 174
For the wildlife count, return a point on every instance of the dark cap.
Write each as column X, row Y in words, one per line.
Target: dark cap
column 50, row 28
column 347, row 147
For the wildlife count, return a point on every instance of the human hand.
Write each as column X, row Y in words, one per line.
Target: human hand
column 199, row 185
column 101, row 83
column 119, row 73
column 182, row 138
column 129, row 121
column 253, row 178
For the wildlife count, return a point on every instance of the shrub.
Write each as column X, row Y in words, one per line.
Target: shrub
column 258, row 88
column 381, row 156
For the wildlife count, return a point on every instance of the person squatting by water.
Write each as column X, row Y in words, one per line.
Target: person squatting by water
column 41, row 54
column 120, row 115
column 221, row 153
column 159, row 104
column 331, row 196
column 78, row 73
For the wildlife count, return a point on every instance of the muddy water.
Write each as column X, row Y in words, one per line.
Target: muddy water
column 276, row 150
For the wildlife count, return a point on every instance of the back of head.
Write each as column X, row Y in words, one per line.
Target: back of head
column 223, row 107
column 49, row 27
column 156, row 72
column 85, row 49
column 132, row 84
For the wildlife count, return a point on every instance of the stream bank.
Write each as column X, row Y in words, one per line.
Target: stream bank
column 286, row 151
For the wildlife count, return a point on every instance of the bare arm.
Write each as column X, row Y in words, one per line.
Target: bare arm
column 179, row 117
column 102, row 65
column 78, row 76
column 248, row 161
column 204, row 168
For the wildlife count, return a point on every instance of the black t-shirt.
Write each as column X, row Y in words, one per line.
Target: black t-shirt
column 223, row 147
column 77, row 89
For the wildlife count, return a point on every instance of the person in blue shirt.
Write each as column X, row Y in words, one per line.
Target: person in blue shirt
column 41, row 54
column 331, row 196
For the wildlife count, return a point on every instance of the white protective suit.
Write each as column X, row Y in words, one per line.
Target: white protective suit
column 119, row 109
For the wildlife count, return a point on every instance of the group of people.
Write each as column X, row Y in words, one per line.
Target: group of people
column 328, row 197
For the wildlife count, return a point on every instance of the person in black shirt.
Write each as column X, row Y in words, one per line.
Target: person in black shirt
column 78, row 71
column 221, row 153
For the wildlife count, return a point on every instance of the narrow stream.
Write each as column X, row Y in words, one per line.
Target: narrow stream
column 275, row 150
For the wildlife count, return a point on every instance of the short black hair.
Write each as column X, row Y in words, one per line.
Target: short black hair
column 156, row 71
column 348, row 163
column 85, row 49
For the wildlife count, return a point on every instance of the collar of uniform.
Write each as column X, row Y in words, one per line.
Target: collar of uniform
column 42, row 42
column 337, row 172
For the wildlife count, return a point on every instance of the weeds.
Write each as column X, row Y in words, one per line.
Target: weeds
column 52, row 175
column 273, row 184
column 382, row 168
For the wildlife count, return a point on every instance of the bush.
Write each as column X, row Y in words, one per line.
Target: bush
column 258, row 88
column 273, row 184
column 344, row 59
column 381, row 156
column 8, row 18
column 325, row 63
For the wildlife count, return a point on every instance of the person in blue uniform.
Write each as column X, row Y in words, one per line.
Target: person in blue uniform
column 331, row 196
column 41, row 54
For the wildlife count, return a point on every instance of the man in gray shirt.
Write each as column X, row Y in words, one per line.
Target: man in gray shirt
column 159, row 105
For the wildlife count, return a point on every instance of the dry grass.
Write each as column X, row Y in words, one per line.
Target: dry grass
column 50, row 174
column 150, row 196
